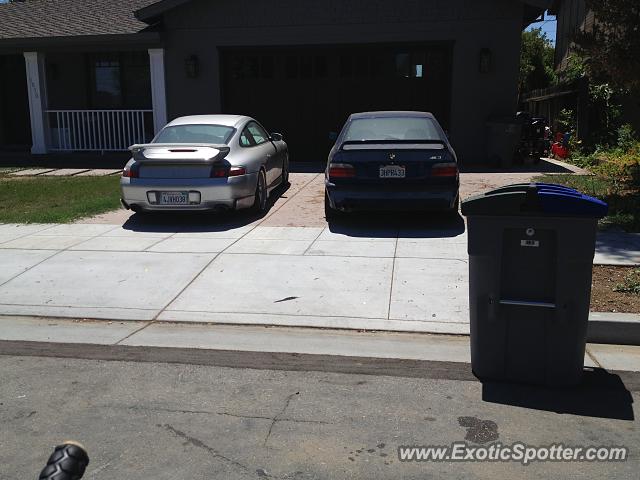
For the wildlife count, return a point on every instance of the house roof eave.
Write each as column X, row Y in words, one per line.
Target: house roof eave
column 134, row 41
column 150, row 13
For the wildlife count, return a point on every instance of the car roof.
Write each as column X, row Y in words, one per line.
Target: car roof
column 225, row 120
column 391, row 114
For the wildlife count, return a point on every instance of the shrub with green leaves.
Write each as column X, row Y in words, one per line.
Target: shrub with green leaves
column 630, row 284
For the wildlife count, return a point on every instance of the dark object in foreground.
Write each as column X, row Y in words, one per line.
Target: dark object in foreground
column 531, row 249
column 67, row 462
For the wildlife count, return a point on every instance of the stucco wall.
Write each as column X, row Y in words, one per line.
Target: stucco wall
column 201, row 26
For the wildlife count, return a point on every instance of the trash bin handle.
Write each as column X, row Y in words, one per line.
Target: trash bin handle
column 525, row 303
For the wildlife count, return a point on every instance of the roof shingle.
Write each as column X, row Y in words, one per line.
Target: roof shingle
column 70, row 18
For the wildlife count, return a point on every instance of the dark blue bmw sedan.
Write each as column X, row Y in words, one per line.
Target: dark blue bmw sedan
column 391, row 161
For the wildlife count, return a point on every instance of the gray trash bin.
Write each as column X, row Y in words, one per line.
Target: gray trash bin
column 531, row 250
column 502, row 140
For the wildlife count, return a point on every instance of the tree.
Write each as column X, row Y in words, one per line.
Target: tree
column 536, row 61
column 612, row 48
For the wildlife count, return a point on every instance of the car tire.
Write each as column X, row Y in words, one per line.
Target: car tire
column 285, row 174
column 330, row 213
column 456, row 207
column 261, row 196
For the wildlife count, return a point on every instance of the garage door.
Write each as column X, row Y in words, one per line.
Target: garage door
column 306, row 93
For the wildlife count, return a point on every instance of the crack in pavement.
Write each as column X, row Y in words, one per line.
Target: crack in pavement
column 200, row 444
column 226, row 414
column 276, row 418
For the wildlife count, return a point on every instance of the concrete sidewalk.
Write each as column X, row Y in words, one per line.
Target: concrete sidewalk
column 382, row 279
column 354, row 277
column 49, row 336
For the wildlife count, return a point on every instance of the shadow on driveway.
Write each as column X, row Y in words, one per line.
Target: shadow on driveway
column 601, row 394
column 544, row 166
column 393, row 224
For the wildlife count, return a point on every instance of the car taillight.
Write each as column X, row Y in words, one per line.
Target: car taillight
column 132, row 171
column 221, row 171
column 444, row 170
column 341, row 170
column 218, row 171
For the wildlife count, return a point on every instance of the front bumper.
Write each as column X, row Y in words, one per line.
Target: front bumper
column 367, row 197
column 211, row 193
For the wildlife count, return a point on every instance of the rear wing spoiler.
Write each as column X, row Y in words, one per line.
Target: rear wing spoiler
column 393, row 144
column 170, row 152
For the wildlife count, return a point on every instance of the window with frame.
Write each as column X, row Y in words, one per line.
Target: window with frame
column 258, row 133
column 246, row 140
column 119, row 80
column 107, row 80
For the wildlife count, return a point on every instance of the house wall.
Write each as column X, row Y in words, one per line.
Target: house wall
column 200, row 27
column 572, row 16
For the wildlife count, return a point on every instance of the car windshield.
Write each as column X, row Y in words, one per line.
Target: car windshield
column 218, row 134
column 393, row 128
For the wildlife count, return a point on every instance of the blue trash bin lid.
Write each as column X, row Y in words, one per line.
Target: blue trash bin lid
column 535, row 199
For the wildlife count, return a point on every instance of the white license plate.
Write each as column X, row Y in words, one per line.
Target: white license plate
column 392, row 171
column 174, row 198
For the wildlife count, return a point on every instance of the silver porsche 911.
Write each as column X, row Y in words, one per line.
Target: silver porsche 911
column 206, row 162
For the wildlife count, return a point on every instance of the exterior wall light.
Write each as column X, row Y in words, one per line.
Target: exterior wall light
column 484, row 61
column 192, row 66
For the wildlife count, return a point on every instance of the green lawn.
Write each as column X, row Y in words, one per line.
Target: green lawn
column 623, row 199
column 56, row 199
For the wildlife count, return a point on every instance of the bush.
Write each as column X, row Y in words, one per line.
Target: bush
column 626, row 137
column 615, row 179
column 631, row 283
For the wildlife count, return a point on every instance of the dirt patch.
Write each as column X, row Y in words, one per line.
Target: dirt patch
column 603, row 296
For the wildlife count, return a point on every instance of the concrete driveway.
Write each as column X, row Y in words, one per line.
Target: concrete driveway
column 388, row 273
column 382, row 272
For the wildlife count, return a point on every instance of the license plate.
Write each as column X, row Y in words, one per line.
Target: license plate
column 392, row 171
column 174, row 198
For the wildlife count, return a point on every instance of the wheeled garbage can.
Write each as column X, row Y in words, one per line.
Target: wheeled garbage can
column 531, row 250
column 502, row 141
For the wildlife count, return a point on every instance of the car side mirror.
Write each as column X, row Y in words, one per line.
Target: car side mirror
column 276, row 137
column 333, row 136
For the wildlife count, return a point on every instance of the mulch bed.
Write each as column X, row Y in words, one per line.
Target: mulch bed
column 604, row 298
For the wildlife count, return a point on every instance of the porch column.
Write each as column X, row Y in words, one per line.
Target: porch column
column 158, row 92
column 37, row 88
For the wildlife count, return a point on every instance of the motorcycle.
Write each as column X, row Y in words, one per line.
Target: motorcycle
column 534, row 139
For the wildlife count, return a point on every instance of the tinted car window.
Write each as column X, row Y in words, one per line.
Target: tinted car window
column 258, row 133
column 245, row 138
column 392, row 128
column 217, row 134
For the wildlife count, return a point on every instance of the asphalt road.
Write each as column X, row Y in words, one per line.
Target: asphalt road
column 170, row 421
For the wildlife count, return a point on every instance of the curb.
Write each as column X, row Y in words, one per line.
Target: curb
column 614, row 328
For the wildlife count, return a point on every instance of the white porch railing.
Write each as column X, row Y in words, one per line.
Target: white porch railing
column 98, row 130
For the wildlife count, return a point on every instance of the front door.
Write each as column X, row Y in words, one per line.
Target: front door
column 15, row 125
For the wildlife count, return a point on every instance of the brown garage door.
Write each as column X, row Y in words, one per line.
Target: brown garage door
column 307, row 92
